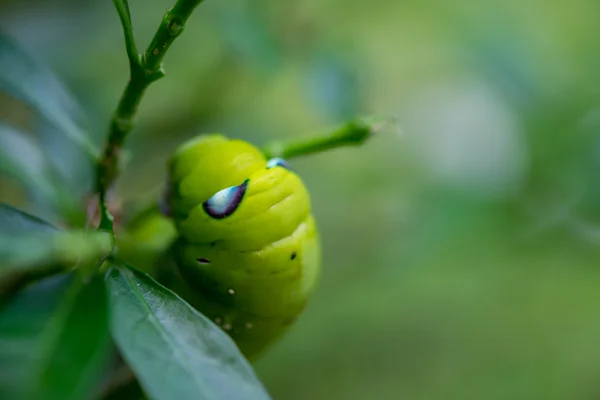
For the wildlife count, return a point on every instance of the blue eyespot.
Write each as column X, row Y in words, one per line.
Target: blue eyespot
column 277, row 162
column 223, row 203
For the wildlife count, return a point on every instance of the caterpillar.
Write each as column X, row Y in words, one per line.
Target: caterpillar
column 247, row 254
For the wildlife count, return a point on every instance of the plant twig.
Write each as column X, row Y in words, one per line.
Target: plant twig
column 352, row 133
column 144, row 69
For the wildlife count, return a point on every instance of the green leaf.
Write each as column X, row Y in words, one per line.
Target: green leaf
column 26, row 242
column 176, row 352
column 75, row 167
column 56, row 165
column 54, row 340
column 21, row 158
column 14, row 221
column 65, row 248
column 31, row 82
column 57, row 177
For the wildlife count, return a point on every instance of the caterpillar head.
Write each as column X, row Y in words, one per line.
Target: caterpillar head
column 225, row 191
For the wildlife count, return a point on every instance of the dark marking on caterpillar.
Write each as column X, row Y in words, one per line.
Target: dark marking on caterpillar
column 293, row 256
column 223, row 203
column 203, row 261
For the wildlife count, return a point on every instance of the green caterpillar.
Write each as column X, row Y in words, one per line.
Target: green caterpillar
column 248, row 252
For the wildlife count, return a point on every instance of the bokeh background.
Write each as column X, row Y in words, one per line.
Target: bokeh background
column 461, row 251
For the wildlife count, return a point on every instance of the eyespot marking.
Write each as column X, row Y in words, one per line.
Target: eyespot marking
column 203, row 261
column 277, row 162
column 223, row 203
column 293, row 256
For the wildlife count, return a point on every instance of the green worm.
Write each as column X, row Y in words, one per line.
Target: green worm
column 248, row 252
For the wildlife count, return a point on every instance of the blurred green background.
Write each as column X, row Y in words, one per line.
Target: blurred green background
column 460, row 252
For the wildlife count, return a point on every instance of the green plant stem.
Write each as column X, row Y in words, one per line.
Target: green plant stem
column 353, row 133
column 144, row 69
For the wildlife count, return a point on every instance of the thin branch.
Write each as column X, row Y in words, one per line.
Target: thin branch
column 145, row 69
column 353, row 133
column 122, row 7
